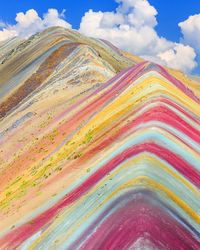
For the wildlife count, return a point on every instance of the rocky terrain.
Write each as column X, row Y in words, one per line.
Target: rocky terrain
column 99, row 149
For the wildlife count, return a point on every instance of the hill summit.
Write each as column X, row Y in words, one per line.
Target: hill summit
column 99, row 149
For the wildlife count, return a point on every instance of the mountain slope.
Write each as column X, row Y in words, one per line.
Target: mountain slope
column 88, row 163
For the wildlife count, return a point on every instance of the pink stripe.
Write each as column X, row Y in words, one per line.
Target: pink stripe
column 17, row 236
column 140, row 219
column 179, row 84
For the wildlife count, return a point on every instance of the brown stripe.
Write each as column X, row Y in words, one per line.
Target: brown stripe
column 44, row 71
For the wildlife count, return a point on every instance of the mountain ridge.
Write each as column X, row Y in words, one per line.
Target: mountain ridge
column 99, row 147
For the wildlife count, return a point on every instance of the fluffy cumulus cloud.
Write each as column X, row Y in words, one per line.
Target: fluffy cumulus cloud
column 132, row 27
column 29, row 23
column 179, row 57
column 190, row 29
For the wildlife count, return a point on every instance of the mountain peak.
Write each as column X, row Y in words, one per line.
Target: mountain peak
column 99, row 148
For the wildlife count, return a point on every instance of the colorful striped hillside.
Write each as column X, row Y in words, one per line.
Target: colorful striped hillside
column 98, row 150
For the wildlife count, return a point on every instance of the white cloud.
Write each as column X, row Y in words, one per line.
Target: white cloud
column 140, row 13
column 190, row 29
column 179, row 56
column 117, row 28
column 132, row 27
column 29, row 23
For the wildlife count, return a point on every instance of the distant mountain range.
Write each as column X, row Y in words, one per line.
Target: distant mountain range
column 99, row 149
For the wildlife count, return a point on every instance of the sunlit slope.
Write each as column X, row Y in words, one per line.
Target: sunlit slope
column 98, row 148
column 126, row 155
column 30, row 63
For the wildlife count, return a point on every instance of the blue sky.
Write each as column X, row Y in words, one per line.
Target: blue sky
column 170, row 13
column 75, row 9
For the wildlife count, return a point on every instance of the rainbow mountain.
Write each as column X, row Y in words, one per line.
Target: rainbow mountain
column 99, row 149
